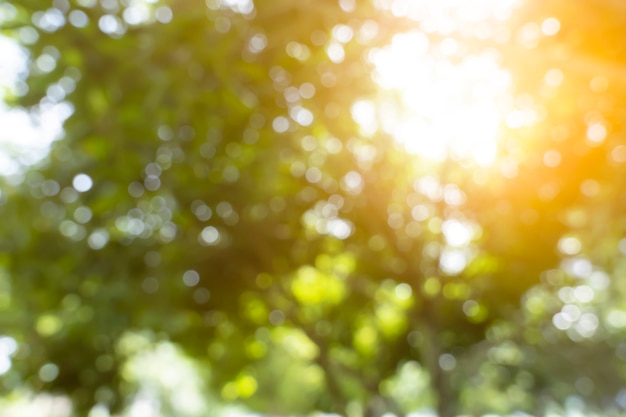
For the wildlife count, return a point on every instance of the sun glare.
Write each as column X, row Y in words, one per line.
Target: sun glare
column 437, row 99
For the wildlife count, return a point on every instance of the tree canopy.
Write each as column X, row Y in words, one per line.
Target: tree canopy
column 351, row 207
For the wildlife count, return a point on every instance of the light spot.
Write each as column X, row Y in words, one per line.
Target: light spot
column 550, row 26
column 457, row 234
column 452, row 262
column 571, row 312
column 599, row 280
column 82, row 183
column 136, row 14
column 566, row 294
column 8, row 346
column 453, row 196
column 246, row 386
column 49, row 372
column 616, row 318
column 561, row 321
column 257, row 43
column 528, row 36
column 230, row 173
column 587, row 324
column 136, row 189
column 471, row 308
column 368, row 31
column 210, row 235
column 201, row 210
column 554, row 77
column 430, row 187
column 191, row 278
column 333, row 145
column 307, row 90
column 618, row 154
column 447, row 362
column 599, row 84
column 552, row 158
column 432, row 286
column 28, row 35
column 45, row 63
column 111, row 25
column 622, row 246
column 581, row 268
column 222, row 24
column 50, row 20
column 304, row 117
column 50, row 188
column 569, row 245
column 99, row 410
column 352, row 182
column 277, row 317
column 78, row 18
column 395, row 220
column 72, row 230
column 201, row 296
column 590, row 188
column 335, row 52
column 298, row 51
column 339, row 228
column 280, row 124
column 167, row 232
column 403, row 291
column 152, row 182
column 164, row 14
column 342, row 33
column 347, row 5
column 48, row 324
column 82, row 214
column 596, row 132
column 420, row 213
column 584, row 293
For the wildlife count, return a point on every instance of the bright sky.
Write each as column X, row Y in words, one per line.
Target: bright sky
column 452, row 102
column 24, row 137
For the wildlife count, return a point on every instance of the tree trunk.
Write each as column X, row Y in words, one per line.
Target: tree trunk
column 440, row 381
column 446, row 397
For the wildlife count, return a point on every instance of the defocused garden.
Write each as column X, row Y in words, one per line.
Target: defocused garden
column 363, row 208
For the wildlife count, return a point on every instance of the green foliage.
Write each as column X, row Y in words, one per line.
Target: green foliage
column 214, row 205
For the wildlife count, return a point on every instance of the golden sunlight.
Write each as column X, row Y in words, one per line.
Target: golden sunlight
column 437, row 98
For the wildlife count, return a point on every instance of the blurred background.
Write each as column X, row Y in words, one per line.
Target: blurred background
column 376, row 208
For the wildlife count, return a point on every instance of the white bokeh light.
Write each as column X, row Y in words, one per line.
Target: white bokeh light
column 457, row 233
column 82, row 183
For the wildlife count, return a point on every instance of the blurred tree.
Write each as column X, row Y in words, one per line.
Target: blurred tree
column 213, row 189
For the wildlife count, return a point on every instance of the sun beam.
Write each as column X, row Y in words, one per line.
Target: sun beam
column 438, row 99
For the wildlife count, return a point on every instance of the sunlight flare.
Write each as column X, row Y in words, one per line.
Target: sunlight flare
column 437, row 99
